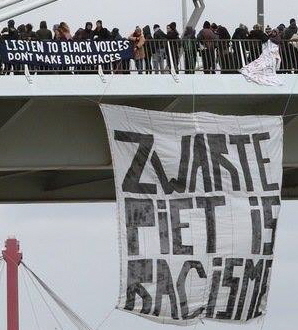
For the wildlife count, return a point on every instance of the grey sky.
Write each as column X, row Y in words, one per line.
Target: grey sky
column 74, row 247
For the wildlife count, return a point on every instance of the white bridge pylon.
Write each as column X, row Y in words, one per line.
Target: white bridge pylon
column 12, row 8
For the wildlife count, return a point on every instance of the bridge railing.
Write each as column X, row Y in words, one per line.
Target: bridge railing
column 188, row 56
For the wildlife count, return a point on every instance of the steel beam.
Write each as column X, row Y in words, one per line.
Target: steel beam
column 17, row 10
column 7, row 3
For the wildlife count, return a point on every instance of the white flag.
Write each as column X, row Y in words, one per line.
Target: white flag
column 198, row 197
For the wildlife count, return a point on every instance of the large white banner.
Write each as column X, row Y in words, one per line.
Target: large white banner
column 198, row 197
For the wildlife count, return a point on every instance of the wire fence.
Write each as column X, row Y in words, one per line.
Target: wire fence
column 187, row 56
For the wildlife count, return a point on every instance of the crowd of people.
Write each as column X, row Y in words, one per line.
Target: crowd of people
column 157, row 50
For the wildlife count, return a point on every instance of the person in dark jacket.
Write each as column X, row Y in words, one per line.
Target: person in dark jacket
column 78, row 36
column 118, row 66
column 21, row 31
column 115, row 35
column 258, row 37
column 158, row 50
column 223, row 49
column 44, row 33
column 287, row 49
column 29, row 34
column 240, row 47
column 173, row 37
column 148, row 48
column 290, row 31
column 87, row 34
column 190, row 49
column 12, row 31
column 101, row 33
column 7, row 66
column 207, row 39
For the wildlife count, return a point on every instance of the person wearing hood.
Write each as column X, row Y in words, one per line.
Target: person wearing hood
column 7, row 66
column 225, row 58
column 158, row 49
column 21, row 31
column 290, row 31
column 288, row 49
column 101, row 33
column 206, row 38
column 87, row 34
column 138, row 40
column 78, row 36
column 118, row 65
column 44, row 33
column 190, row 49
column 12, row 31
column 148, row 48
column 173, row 37
column 115, row 35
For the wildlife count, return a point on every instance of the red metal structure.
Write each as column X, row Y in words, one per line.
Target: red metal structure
column 13, row 257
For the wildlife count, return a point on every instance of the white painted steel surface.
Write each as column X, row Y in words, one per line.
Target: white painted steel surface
column 116, row 85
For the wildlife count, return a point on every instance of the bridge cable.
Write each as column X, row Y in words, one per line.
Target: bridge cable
column 73, row 317
column 61, row 327
column 105, row 319
column 44, row 300
column 30, row 300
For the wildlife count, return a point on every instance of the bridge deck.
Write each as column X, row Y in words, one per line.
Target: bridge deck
column 53, row 143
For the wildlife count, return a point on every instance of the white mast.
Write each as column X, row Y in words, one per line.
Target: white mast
column 260, row 13
column 184, row 14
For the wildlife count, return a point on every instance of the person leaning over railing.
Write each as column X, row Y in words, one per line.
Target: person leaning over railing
column 289, row 52
column 239, row 46
column 138, row 40
column 158, row 49
column 225, row 57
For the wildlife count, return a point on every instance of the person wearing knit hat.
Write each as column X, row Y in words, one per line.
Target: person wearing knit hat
column 173, row 35
column 158, row 49
column 172, row 26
